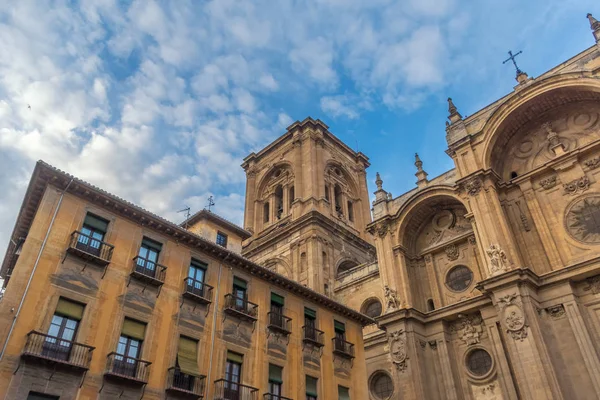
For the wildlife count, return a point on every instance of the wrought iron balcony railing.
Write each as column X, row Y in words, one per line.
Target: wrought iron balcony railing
column 313, row 336
column 226, row 390
column 178, row 381
column 127, row 368
column 197, row 290
column 279, row 322
column 89, row 248
column 51, row 348
column 343, row 348
column 241, row 307
column 148, row 271
column 269, row 396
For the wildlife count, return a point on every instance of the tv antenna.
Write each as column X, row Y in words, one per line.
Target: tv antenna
column 211, row 203
column 187, row 215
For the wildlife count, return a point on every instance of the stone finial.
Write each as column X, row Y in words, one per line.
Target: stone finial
column 421, row 174
column 379, row 182
column 595, row 26
column 555, row 144
column 454, row 114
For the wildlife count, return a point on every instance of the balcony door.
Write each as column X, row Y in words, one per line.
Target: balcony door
column 126, row 359
column 61, row 333
column 148, row 257
column 233, row 377
column 276, row 316
column 240, row 292
column 310, row 324
column 340, row 336
column 195, row 282
column 93, row 230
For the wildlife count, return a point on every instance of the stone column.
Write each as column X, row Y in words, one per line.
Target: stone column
column 249, row 222
column 436, row 294
column 401, row 276
column 450, row 389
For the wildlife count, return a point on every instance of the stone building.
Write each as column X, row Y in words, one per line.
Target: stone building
column 484, row 281
column 105, row 300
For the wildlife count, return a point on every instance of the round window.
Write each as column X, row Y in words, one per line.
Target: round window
column 382, row 386
column 479, row 362
column 372, row 308
column 459, row 278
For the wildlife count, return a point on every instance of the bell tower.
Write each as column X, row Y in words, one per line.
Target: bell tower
column 307, row 206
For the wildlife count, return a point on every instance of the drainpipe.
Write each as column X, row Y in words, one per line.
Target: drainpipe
column 37, row 261
column 214, row 327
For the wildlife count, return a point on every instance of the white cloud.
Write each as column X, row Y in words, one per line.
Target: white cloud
column 344, row 105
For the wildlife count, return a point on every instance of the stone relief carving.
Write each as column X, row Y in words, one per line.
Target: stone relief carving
column 422, row 343
column 523, row 217
column 592, row 163
column 398, row 350
column 445, row 225
column 391, row 298
column 593, row 284
column 473, row 186
column 433, row 344
column 581, row 217
column 498, row 261
column 577, row 186
column 513, row 317
column 452, row 252
column 472, row 240
column 548, row 183
column 556, row 311
column 469, row 328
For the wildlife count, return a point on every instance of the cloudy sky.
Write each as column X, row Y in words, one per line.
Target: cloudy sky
column 159, row 101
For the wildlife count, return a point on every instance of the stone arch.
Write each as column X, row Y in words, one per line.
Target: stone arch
column 344, row 175
column 513, row 117
column 345, row 264
column 285, row 167
column 279, row 265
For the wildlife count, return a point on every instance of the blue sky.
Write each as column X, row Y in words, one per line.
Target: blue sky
column 158, row 102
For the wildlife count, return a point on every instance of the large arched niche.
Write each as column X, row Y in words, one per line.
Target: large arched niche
column 282, row 172
column 516, row 137
column 279, row 265
column 335, row 171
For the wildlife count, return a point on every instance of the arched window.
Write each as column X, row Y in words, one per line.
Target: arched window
column 372, row 308
column 279, row 201
column 346, row 266
column 337, row 194
column 430, row 305
column 327, row 192
column 266, row 212
column 292, row 196
column 382, row 386
column 350, row 211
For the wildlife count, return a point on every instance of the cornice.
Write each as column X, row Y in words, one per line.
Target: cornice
column 44, row 175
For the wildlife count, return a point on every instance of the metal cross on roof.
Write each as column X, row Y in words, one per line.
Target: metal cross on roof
column 512, row 58
column 210, row 202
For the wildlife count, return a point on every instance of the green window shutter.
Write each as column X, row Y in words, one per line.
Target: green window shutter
column 187, row 356
column 239, row 283
column 275, row 374
column 311, row 386
column 134, row 329
column 235, row 357
column 96, row 222
column 339, row 326
column 151, row 244
column 198, row 264
column 343, row 393
column 277, row 299
column 310, row 313
column 69, row 309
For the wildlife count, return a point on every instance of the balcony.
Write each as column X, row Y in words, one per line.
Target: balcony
column 127, row 368
column 197, row 290
column 343, row 348
column 313, row 336
column 269, row 396
column 148, row 271
column 279, row 323
column 226, row 390
column 178, row 382
column 240, row 307
column 90, row 249
column 58, row 351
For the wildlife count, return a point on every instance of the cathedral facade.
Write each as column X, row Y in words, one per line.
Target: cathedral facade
column 485, row 280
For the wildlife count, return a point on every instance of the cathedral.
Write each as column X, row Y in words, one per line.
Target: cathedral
column 482, row 283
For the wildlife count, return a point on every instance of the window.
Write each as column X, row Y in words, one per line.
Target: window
column 343, row 393
column 62, row 330
column 346, row 266
column 459, row 278
column 372, row 308
column 311, row 388
column 276, row 316
column 233, row 375
column 310, row 324
column 292, row 196
column 381, row 386
column 129, row 347
column 222, row 239
column 430, row 305
column 337, row 197
column 266, row 212
column 350, row 211
column 303, row 262
column 195, row 280
column 240, row 293
column 92, row 234
column 278, row 201
column 275, row 380
column 479, row 362
column 187, row 364
column 340, row 335
column 148, row 257
column 41, row 396
column 327, row 192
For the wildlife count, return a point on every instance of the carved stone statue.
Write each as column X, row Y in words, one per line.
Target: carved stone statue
column 498, row 261
column 391, row 298
column 398, row 350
